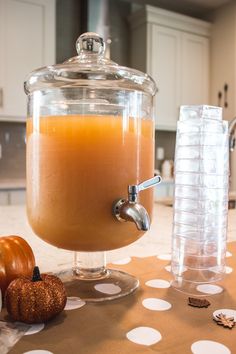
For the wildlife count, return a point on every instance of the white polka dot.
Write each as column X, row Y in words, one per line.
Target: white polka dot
column 209, row 346
column 164, row 257
column 108, row 288
column 73, row 303
column 122, row 261
column 228, row 270
column 209, row 289
column 228, row 254
column 156, row 304
column 144, row 335
column 38, row 351
column 168, row 268
column 158, row 283
column 35, row 328
column 227, row 312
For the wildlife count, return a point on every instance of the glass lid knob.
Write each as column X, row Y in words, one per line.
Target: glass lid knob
column 90, row 43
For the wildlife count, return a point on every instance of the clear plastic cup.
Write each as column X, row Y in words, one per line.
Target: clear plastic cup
column 197, row 262
column 205, row 152
column 200, row 179
column 204, row 167
column 205, row 139
column 200, row 233
column 201, row 206
column 201, row 220
column 201, row 198
column 216, row 195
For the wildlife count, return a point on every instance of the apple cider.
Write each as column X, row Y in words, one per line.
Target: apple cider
column 77, row 167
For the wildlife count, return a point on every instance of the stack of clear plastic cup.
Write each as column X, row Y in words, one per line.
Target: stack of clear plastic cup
column 200, row 199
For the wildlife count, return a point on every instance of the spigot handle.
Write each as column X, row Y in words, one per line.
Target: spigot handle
column 149, row 183
column 133, row 190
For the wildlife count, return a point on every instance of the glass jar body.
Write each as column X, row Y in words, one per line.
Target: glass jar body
column 84, row 147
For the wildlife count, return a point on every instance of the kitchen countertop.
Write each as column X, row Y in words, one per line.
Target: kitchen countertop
column 14, row 183
column 157, row 240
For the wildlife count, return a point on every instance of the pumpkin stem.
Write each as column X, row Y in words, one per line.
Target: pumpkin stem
column 36, row 274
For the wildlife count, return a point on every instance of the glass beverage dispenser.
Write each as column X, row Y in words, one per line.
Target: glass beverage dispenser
column 90, row 162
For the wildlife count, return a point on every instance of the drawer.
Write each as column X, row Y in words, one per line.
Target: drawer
column 17, row 197
column 4, row 198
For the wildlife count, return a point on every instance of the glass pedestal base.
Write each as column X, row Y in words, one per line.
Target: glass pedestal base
column 90, row 280
column 113, row 284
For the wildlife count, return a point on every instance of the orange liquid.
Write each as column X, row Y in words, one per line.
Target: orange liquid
column 77, row 166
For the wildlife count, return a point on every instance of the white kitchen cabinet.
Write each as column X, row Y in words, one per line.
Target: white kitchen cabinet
column 164, row 190
column 12, row 196
column 4, row 198
column 195, row 69
column 17, row 197
column 174, row 50
column 27, row 42
column 166, row 44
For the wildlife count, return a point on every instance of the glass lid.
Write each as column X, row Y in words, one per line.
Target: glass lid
column 89, row 69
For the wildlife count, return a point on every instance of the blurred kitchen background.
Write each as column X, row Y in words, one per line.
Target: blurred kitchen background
column 188, row 46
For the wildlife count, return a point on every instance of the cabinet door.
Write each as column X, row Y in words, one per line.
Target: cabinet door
column 28, row 43
column 164, row 67
column 160, row 191
column 17, row 197
column 194, row 70
column 4, row 198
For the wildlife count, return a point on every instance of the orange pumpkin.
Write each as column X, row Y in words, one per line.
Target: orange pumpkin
column 16, row 259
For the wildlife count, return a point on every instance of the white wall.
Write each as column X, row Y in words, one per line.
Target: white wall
column 223, row 62
column 223, row 65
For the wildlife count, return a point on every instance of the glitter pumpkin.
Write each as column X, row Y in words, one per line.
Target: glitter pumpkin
column 35, row 300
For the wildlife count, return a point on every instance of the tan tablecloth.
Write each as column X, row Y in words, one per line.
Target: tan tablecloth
column 101, row 328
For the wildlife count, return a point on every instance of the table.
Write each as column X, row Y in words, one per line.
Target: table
column 173, row 326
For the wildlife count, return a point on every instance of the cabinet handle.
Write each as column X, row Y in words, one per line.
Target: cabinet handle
column 1, row 97
column 219, row 98
column 226, row 86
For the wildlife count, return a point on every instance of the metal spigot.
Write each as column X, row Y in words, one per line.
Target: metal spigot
column 130, row 210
